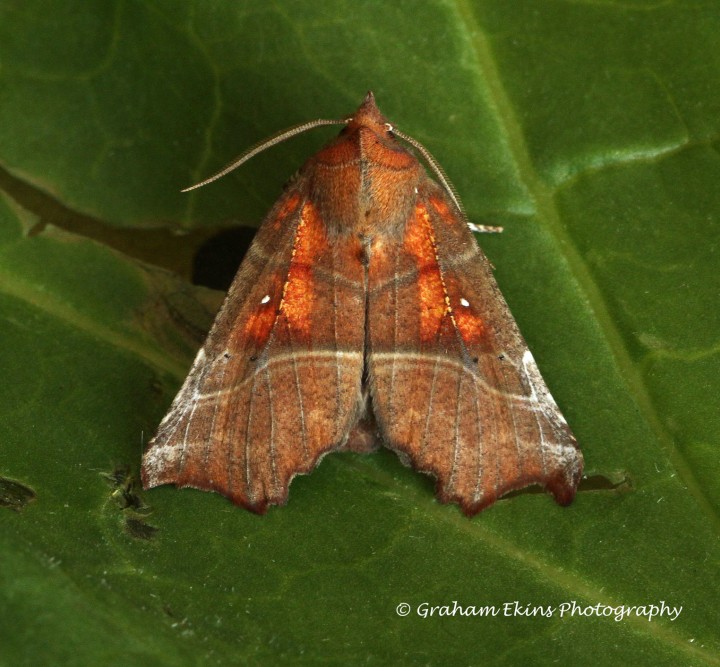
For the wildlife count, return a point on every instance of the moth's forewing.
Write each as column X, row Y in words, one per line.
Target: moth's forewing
column 454, row 387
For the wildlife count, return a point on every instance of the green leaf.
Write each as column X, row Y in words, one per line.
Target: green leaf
column 588, row 129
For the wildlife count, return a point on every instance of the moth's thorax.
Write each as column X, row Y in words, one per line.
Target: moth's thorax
column 365, row 181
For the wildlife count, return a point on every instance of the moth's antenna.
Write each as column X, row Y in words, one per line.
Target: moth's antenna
column 434, row 165
column 266, row 143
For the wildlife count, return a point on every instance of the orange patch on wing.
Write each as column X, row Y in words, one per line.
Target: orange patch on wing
column 260, row 324
column 470, row 326
column 419, row 242
column 298, row 291
column 433, row 291
column 443, row 210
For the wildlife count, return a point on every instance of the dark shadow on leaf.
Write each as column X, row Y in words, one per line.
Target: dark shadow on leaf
column 217, row 260
column 161, row 246
column 619, row 482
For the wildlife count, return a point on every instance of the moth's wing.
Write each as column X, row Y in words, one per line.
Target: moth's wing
column 278, row 382
column 454, row 387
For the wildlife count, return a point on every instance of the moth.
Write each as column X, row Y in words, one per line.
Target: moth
column 364, row 314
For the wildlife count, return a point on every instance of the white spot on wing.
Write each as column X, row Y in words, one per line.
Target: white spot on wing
column 464, row 302
column 265, row 299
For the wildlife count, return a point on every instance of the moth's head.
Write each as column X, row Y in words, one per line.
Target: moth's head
column 369, row 116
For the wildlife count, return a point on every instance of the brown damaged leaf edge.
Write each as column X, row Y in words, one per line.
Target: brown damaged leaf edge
column 364, row 314
column 15, row 495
